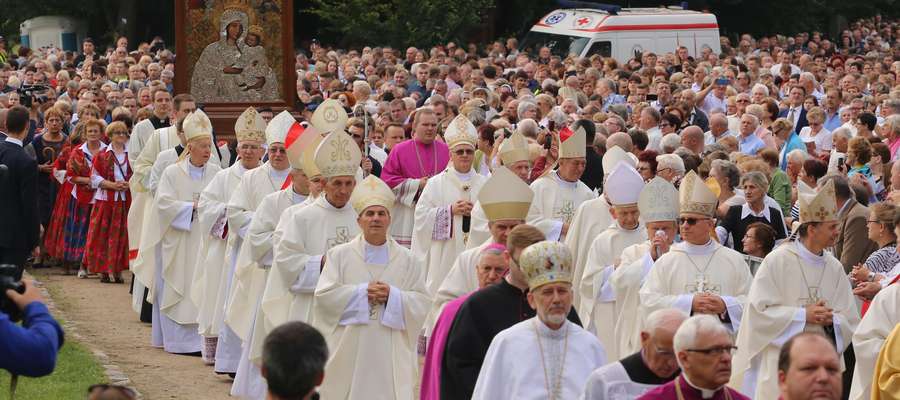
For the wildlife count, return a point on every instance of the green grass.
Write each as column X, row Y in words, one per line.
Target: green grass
column 76, row 369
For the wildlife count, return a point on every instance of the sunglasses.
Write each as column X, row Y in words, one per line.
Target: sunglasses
column 464, row 152
column 690, row 221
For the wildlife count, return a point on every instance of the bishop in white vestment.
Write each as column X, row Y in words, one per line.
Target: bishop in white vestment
column 698, row 275
column 591, row 218
column 175, row 255
column 303, row 238
column 370, row 304
column 255, row 257
column 658, row 203
column 505, row 199
column 220, row 243
column 598, row 309
column 515, row 156
column 247, row 195
column 798, row 287
column 559, row 193
column 443, row 213
column 545, row 357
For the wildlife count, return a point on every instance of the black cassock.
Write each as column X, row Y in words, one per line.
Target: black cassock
column 481, row 317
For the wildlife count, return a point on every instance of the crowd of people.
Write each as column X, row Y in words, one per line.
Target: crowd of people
column 695, row 224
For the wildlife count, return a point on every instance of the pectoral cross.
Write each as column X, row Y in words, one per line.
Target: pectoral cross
column 373, row 311
column 702, row 285
column 341, row 235
column 566, row 212
column 812, row 298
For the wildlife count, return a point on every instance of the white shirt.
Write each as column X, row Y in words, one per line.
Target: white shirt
column 13, row 140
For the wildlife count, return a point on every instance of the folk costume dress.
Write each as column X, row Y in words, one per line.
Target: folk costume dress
column 80, row 165
column 54, row 244
column 106, row 250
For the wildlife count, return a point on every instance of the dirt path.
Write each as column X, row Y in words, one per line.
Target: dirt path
column 103, row 316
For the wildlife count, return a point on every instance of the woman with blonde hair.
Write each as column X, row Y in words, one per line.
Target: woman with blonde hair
column 786, row 139
column 106, row 249
column 816, row 130
column 859, row 152
column 78, row 171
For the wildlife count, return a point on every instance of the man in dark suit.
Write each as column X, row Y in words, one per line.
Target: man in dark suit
column 19, row 226
column 795, row 111
column 852, row 246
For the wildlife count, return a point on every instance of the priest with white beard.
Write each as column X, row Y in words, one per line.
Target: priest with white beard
column 658, row 203
column 302, row 238
column 799, row 287
column 869, row 338
column 174, row 248
column 545, row 357
column 505, row 199
column 593, row 217
column 257, row 253
column 558, row 193
column 599, row 310
column 215, row 257
column 247, row 194
column 515, row 156
column 370, row 303
column 654, row 365
column 443, row 212
column 698, row 275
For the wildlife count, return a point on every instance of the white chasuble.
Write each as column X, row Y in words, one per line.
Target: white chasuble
column 244, row 282
column 555, row 202
column 143, row 228
column 789, row 278
column 180, row 237
column 372, row 348
column 530, row 361
column 626, row 282
column 438, row 235
column 598, row 298
column 591, row 218
column 689, row 269
column 213, row 260
column 874, row 328
column 301, row 240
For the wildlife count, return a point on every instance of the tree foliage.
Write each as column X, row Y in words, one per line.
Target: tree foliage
column 399, row 22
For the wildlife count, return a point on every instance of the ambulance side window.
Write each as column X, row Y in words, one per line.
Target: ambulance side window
column 602, row 48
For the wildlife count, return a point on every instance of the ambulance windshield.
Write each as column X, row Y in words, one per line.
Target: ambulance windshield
column 559, row 45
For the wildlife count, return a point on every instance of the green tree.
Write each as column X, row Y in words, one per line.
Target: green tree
column 399, row 22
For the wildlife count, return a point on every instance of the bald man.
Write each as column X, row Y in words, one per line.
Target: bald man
column 692, row 139
column 718, row 129
column 620, row 139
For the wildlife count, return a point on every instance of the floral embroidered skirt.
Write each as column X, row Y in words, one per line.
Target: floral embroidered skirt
column 75, row 231
column 106, row 250
column 54, row 244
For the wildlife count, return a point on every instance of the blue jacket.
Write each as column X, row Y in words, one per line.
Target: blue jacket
column 793, row 143
column 30, row 349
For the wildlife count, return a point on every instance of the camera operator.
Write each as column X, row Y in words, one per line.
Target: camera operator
column 30, row 349
column 19, row 226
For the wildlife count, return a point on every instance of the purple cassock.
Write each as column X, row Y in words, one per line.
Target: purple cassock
column 679, row 389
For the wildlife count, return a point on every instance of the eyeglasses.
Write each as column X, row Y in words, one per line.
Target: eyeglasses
column 664, row 352
column 249, row 147
column 743, row 101
column 277, row 150
column 691, row 221
column 464, row 152
column 715, row 351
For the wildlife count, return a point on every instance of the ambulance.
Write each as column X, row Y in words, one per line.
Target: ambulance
column 621, row 33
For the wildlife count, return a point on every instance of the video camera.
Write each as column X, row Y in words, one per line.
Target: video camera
column 30, row 93
column 11, row 278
